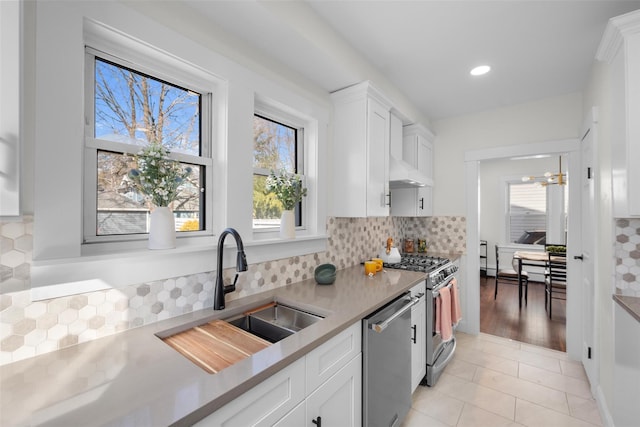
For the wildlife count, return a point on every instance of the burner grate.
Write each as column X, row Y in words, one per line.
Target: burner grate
column 412, row 262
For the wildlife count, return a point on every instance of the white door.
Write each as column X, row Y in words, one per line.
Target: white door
column 588, row 250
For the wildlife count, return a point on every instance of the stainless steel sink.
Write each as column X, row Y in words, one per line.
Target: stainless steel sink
column 275, row 322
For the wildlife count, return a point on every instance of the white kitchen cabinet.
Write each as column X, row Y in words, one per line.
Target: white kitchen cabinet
column 337, row 402
column 626, row 370
column 10, row 77
column 296, row 418
column 361, row 152
column 417, row 150
column 418, row 335
column 620, row 47
column 326, row 360
column 326, row 382
column 264, row 404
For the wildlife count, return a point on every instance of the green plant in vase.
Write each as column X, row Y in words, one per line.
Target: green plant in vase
column 160, row 179
column 289, row 190
column 287, row 187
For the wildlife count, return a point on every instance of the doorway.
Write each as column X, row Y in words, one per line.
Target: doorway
column 522, row 207
column 472, row 169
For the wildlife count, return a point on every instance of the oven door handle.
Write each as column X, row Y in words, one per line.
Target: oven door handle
column 381, row 326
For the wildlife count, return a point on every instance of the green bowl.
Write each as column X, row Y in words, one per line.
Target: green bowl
column 325, row 274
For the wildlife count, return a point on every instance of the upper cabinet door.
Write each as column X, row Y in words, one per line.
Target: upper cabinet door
column 378, row 160
column 361, row 152
column 620, row 47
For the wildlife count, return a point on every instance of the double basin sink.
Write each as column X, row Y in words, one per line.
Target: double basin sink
column 218, row 344
column 274, row 322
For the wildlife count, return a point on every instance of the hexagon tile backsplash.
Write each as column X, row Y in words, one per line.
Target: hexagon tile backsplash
column 627, row 253
column 29, row 328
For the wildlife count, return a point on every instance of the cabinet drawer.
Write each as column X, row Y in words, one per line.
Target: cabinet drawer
column 264, row 404
column 327, row 359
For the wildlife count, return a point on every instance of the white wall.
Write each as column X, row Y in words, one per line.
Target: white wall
column 546, row 120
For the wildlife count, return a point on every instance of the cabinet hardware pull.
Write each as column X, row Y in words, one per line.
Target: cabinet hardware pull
column 317, row 421
column 580, row 257
column 413, row 338
column 388, row 195
column 422, row 203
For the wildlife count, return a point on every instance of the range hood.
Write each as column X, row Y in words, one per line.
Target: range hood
column 403, row 175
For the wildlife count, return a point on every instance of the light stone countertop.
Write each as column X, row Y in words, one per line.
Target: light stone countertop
column 134, row 378
column 630, row 304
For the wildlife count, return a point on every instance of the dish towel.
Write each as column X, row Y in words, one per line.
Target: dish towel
column 456, row 312
column 443, row 318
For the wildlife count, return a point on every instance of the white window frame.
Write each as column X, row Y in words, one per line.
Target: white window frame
column 276, row 112
column 158, row 69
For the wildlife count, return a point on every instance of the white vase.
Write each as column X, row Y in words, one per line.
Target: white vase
column 288, row 225
column 162, row 228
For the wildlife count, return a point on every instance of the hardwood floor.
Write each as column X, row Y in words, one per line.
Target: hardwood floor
column 531, row 324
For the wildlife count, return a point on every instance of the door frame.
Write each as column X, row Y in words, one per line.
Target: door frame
column 570, row 147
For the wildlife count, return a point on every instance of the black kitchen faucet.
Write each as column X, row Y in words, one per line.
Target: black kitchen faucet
column 241, row 265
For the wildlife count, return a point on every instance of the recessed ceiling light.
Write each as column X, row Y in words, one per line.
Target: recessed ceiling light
column 480, row 70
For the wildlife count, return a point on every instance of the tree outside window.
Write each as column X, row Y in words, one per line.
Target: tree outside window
column 275, row 148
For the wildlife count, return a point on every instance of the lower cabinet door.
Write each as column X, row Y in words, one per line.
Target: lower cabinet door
column 264, row 404
column 338, row 402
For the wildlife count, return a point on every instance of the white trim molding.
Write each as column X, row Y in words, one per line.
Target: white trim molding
column 615, row 32
column 472, row 161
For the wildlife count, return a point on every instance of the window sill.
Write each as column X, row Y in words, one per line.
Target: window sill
column 68, row 276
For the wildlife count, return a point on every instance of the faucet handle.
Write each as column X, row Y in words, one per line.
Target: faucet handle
column 231, row 287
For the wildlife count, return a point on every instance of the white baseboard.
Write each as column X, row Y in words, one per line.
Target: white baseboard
column 607, row 419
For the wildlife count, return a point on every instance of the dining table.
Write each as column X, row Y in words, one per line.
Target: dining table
column 533, row 259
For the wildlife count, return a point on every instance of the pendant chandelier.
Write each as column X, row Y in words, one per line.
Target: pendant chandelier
column 549, row 178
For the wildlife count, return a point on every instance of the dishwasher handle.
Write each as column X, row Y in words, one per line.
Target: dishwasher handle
column 381, row 326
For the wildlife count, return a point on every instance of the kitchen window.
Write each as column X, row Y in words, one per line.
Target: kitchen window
column 527, row 212
column 278, row 143
column 127, row 107
column 69, row 256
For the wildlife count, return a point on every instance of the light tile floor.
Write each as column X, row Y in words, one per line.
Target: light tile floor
column 495, row 382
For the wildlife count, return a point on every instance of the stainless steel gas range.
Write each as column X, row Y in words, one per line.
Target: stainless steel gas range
column 440, row 272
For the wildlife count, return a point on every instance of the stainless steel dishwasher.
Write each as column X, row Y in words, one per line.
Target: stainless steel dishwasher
column 386, row 379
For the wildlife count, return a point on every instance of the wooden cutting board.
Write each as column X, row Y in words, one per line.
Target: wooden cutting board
column 216, row 345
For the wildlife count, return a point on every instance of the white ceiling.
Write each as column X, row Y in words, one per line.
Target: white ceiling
column 425, row 48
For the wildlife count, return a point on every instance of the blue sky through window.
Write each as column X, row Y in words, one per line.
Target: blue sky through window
column 134, row 108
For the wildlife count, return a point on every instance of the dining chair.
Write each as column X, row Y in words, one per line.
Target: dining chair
column 555, row 247
column 509, row 276
column 555, row 278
